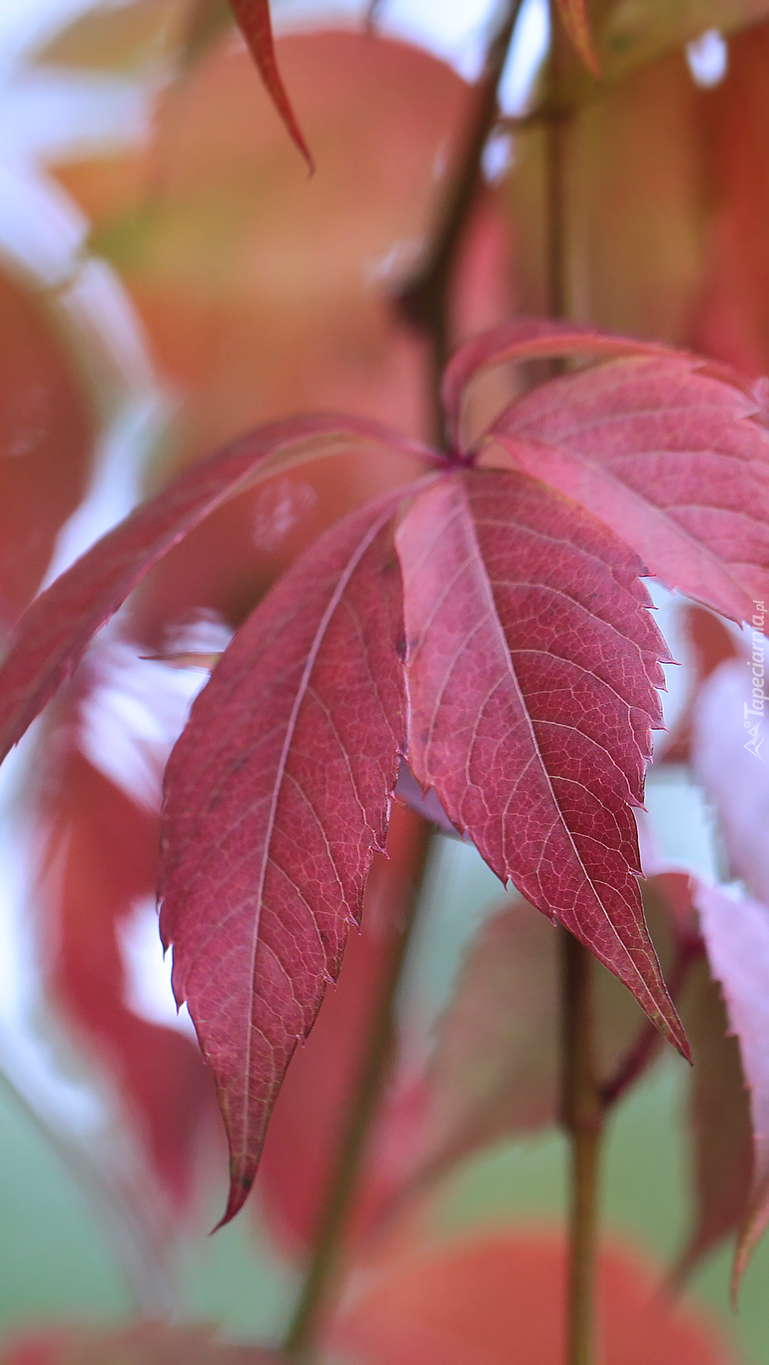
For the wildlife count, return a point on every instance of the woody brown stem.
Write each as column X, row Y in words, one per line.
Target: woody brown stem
column 582, row 1112
column 582, row 1108
column 424, row 301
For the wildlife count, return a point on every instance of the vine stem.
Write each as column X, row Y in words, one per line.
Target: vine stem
column 398, row 891
column 424, row 300
column 582, row 1116
column 582, row 1105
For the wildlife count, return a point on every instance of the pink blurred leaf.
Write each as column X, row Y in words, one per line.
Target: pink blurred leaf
column 253, row 19
column 719, row 1121
column 498, row 1298
column 533, row 665
column 669, row 455
column 99, row 851
column 736, row 933
column 729, row 757
column 53, row 633
column 711, row 642
column 292, row 749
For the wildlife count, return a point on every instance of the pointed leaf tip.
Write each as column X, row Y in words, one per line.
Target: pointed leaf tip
column 253, row 20
column 575, row 17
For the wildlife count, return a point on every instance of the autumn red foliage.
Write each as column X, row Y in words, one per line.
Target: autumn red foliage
column 420, row 471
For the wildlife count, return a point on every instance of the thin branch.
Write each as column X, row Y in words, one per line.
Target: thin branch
column 582, row 1118
column 402, row 881
column 424, row 301
column 582, row 1110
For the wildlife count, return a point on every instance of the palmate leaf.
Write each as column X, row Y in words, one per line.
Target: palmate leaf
column 532, row 665
column 277, row 795
column 532, row 669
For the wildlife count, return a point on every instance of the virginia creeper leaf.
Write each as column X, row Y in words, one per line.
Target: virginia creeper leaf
column 666, row 454
column 736, row 933
column 253, row 20
column 277, row 796
column 53, row 633
column 532, row 665
column 575, row 15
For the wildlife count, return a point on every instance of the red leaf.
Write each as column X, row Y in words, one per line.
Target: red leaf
column 499, row 1299
column 495, row 1071
column 668, row 456
column 532, row 668
column 736, row 933
column 576, row 20
column 100, row 858
column 257, row 931
column 52, row 635
column 47, row 437
column 719, row 1119
column 253, row 19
